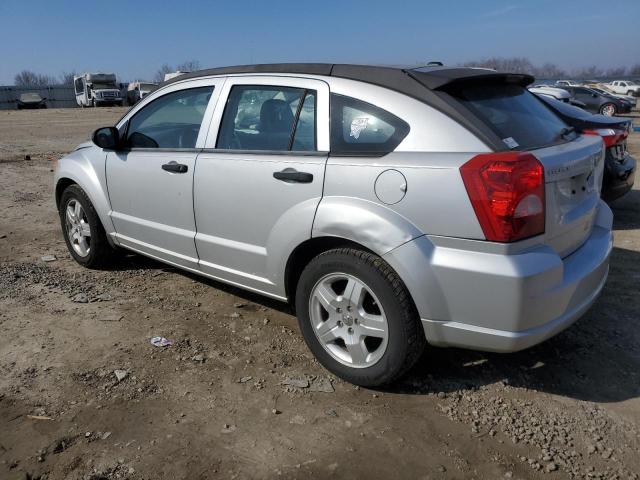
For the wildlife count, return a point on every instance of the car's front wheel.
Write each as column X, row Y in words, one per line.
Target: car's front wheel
column 608, row 109
column 83, row 233
column 358, row 318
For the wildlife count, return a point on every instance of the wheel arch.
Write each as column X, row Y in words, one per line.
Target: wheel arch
column 88, row 173
column 305, row 252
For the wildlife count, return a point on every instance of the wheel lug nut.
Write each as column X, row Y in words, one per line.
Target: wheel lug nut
column 339, row 310
column 350, row 330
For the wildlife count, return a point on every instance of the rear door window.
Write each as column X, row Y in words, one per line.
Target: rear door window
column 360, row 128
column 269, row 118
column 520, row 119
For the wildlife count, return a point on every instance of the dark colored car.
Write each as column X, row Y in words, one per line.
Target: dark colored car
column 595, row 102
column 31, row 100
column 619, row 167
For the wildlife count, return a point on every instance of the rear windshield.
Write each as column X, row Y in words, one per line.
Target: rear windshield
column 521, row 120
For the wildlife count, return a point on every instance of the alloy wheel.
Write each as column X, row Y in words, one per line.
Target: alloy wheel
column 78, row 229
column 348, row 320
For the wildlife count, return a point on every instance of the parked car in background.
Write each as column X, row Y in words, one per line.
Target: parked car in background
column 567, row 83
column 138, row 90
column 599, row 103
column 620, row 166
column 605, row 91
column 97, row 89
column 626, row 87
column 556, row 93
column 31, row 100
column 393, row 207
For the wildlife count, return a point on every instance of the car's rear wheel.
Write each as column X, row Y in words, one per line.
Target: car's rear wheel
column 358, row 318
column 630, row 93
column 83, row 233
column 608, row 109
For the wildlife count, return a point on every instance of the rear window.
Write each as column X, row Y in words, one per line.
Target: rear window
column 521, row 120
column 359, row 128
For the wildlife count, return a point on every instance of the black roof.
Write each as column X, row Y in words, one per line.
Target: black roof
column 427, row 84
column 433, row 77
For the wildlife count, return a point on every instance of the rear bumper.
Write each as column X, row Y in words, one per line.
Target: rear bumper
column 618, row 177
column 503, row 302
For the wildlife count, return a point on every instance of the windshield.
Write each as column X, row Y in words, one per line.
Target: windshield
column 104, row 86
column 148, row 86
column 517, row 116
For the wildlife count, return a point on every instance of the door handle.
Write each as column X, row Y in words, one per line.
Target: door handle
column 291, row 175
column 175, row 167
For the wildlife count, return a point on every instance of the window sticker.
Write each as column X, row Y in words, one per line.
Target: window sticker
column 357, row 126
column 510, row 142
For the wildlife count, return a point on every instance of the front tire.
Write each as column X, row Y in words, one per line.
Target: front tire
column 357, row 317
column 83, row 233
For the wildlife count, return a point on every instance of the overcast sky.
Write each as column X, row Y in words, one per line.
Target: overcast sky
column 133, row 38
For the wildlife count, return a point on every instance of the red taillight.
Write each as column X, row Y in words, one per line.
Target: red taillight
column 610, row 136
column 506, row 190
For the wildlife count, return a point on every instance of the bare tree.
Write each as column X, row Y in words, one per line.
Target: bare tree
column 549, row 70
column 512, row 64
column 635, row 70
column 66, row 78
column 27, row 78
column 616, row 72
column 588, row 72
column 188, row 66
column 160, row 73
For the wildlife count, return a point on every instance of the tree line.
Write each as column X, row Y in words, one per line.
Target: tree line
column 551, row 70
column 28, row 78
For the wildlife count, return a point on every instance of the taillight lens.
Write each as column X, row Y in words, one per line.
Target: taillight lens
column 506, row 190
column 610, row 136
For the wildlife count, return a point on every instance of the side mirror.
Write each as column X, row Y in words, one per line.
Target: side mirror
column 594, row 95
column 107, row 138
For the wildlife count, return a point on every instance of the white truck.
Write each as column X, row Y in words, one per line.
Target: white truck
column 624, row 87
column 96, row 89
column 170, row 75
column 137, row 90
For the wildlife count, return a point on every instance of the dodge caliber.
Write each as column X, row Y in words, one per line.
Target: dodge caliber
column 393, row 208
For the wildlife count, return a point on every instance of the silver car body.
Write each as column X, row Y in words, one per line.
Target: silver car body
column 230, row 220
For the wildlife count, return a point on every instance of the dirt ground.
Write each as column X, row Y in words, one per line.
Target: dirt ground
column 84, row 395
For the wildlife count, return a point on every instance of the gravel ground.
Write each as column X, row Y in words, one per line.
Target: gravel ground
column 84, row 395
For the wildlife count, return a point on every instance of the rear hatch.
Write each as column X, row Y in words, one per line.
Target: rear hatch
column 573, row 164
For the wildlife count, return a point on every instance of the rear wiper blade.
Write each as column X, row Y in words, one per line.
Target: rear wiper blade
column 566, row 131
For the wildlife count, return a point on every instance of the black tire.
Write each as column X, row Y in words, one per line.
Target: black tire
column 101, row 252
column 406, row 339
column 615, row 109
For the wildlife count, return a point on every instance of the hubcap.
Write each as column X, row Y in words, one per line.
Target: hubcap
column 78, row 229
column 348, row 320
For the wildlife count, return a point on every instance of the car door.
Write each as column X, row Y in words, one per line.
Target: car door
column 586, row 96
column 150, row 179
column 259, row 180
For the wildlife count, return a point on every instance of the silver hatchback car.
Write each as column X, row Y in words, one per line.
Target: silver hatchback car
column 392, row 207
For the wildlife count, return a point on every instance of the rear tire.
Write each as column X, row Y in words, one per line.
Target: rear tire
column 384, row 309
column 83, row 232
column 608, row 109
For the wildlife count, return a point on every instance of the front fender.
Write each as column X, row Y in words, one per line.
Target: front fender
column 370, row 224
column 86, row 167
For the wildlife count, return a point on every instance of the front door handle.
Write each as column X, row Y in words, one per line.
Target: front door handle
column 291, row 175
column 175, row 167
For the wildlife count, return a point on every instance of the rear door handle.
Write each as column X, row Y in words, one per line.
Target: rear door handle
column 175, row 167
column 291, row 175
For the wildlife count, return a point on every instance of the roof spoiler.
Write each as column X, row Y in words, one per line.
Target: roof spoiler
column 440, row 79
